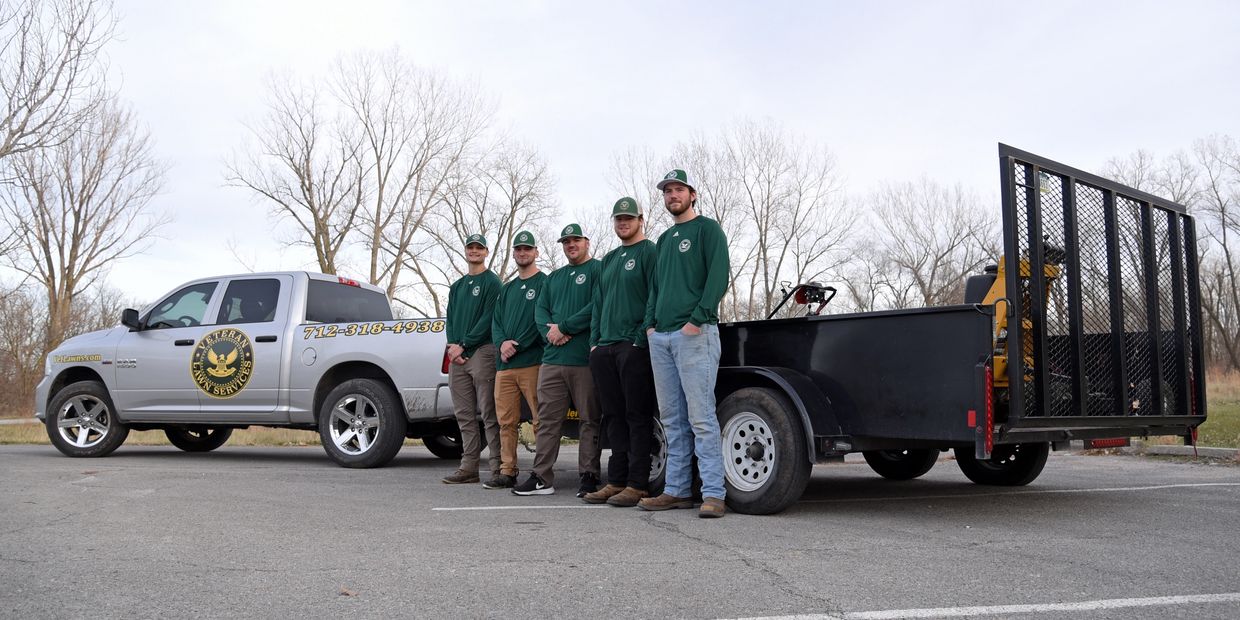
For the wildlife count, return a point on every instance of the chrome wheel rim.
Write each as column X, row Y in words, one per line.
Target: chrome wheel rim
column 748, row 451
column 354, row 424
column 83, row 421
column 658, row 458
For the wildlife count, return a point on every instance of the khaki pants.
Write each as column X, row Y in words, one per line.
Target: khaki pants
column 473, row 394
column 558, row 388
column 510, row 386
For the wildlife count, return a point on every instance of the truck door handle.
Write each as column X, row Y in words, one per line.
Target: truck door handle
column 184, row 343
column 265, row 339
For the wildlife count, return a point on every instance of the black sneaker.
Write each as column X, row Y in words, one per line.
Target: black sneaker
column 533, row 486
column 500, row 481
column 589, row 484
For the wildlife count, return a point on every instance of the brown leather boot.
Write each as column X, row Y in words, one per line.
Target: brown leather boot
column 603, row 494
column 627, row 498
column 665, row 502
column 712, row 508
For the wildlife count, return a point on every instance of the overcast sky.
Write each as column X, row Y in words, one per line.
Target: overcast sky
column 896, row 90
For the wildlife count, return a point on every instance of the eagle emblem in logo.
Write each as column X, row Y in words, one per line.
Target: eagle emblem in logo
column 530, row 294
column 670, row 175
column 628, row 266
column 685, row 244
column 222, row 363
column 567, row 229
column 581, row 278
column 477, row 289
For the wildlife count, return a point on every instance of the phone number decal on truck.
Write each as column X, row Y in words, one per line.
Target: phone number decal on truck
column 370, row 329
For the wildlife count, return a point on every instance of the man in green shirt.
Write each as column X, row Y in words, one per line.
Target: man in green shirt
column 682, row 319
column 620, row 361
column 471, row 373
column 563, row 318
column 520, row 354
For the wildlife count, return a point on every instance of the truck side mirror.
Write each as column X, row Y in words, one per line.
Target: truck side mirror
column 129, row 318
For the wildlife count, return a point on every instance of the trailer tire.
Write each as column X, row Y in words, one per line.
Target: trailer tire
column 81, row 421
column 1009, row 465
column 901, row 464
column 658, row 460
column 198, row 438
column 362, row 424
column 445, row 446
column 764, row 448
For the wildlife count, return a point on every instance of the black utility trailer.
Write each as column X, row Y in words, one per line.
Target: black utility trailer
column 1102, row 342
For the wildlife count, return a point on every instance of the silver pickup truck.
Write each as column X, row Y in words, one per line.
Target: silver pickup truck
column 290, row 349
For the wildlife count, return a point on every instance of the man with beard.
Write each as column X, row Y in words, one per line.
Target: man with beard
column 471, row 374
column 563, row 318
column 520, row 354
column 682, row 318
column 620, row 361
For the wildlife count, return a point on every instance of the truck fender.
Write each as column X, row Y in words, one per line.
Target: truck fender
column 813, row 407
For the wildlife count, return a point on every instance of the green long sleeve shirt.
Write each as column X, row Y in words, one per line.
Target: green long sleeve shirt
column 471, row 306
column 568, row 304
column 514, row 320
column 621, row 293
column 691, row 276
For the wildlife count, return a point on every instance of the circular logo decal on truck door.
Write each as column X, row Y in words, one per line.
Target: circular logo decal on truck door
column 222, row 363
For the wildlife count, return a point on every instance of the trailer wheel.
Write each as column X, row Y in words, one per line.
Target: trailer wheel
column 362, row 424
column 658, row 460
column 1009, row 465
column 764, row 449
column 901, row 464
column 198, row 438
column 445, row 446
column 82, row 422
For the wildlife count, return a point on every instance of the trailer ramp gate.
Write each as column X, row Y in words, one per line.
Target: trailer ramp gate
column 1117, row 329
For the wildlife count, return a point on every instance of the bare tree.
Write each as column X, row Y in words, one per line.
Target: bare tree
column 308, row 165
column 51, row 74
column 416, row 126
column 1219, row 208
column 80, row 206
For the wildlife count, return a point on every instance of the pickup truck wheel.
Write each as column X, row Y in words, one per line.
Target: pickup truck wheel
column 764, row 462
column 81, row 421
column 658, row 460
column 901, row 464
column 1010, row 465
column 445, row 446
column 198, row 438
column 362, row 424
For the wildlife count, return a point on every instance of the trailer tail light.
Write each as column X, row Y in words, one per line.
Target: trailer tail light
column 1115, row 442
column 446, row 363
column 348, row 282
column 990, row 409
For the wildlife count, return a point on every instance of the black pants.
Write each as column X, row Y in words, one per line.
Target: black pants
column 624, row 386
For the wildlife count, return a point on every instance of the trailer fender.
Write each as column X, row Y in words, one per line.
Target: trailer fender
column 812, row 406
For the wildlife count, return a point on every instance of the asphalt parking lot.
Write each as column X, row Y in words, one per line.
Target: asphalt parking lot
column 281, row 532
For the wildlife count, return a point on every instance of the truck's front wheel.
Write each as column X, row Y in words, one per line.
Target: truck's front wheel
column 1010, row 465
column 901, row 464
column 82, row 422
column 764, row 450
column 362, row 424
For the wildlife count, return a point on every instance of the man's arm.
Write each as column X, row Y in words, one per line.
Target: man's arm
column 718, row 270
column 480, row 331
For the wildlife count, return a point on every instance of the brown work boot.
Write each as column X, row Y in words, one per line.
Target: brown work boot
column 627, row 498
column 460, row 476
column 712, row 508
column 602, row 494
column 665, row 502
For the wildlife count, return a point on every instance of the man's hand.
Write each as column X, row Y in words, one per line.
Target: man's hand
column 690, row 329
column 555, row 336
column 455, row 351
column 649, row 332
column 507, row 349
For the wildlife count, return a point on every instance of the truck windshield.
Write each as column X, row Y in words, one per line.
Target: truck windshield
column 331, row 302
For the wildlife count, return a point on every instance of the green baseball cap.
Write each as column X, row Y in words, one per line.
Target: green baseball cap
column 572, row 230
column 676, row 176
column 525, row 238
column 626, row 206
column 476, row 238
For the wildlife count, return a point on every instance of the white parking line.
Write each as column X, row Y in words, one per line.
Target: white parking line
column 1025, row 492
column 992, row 610
column 463, row 508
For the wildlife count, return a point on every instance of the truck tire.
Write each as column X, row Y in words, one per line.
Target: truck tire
column 362, row 424
column 658, row 460
column 764, row 448
column 445, row 446
column 1009, row 465
column 81, row 421
column 901, row 464
column 198, row 438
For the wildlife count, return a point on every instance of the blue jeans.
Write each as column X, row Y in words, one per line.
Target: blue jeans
column 685, row 368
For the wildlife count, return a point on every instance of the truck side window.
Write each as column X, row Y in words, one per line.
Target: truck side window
column 249, row 301
column 184, row 308
column 329, row 302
